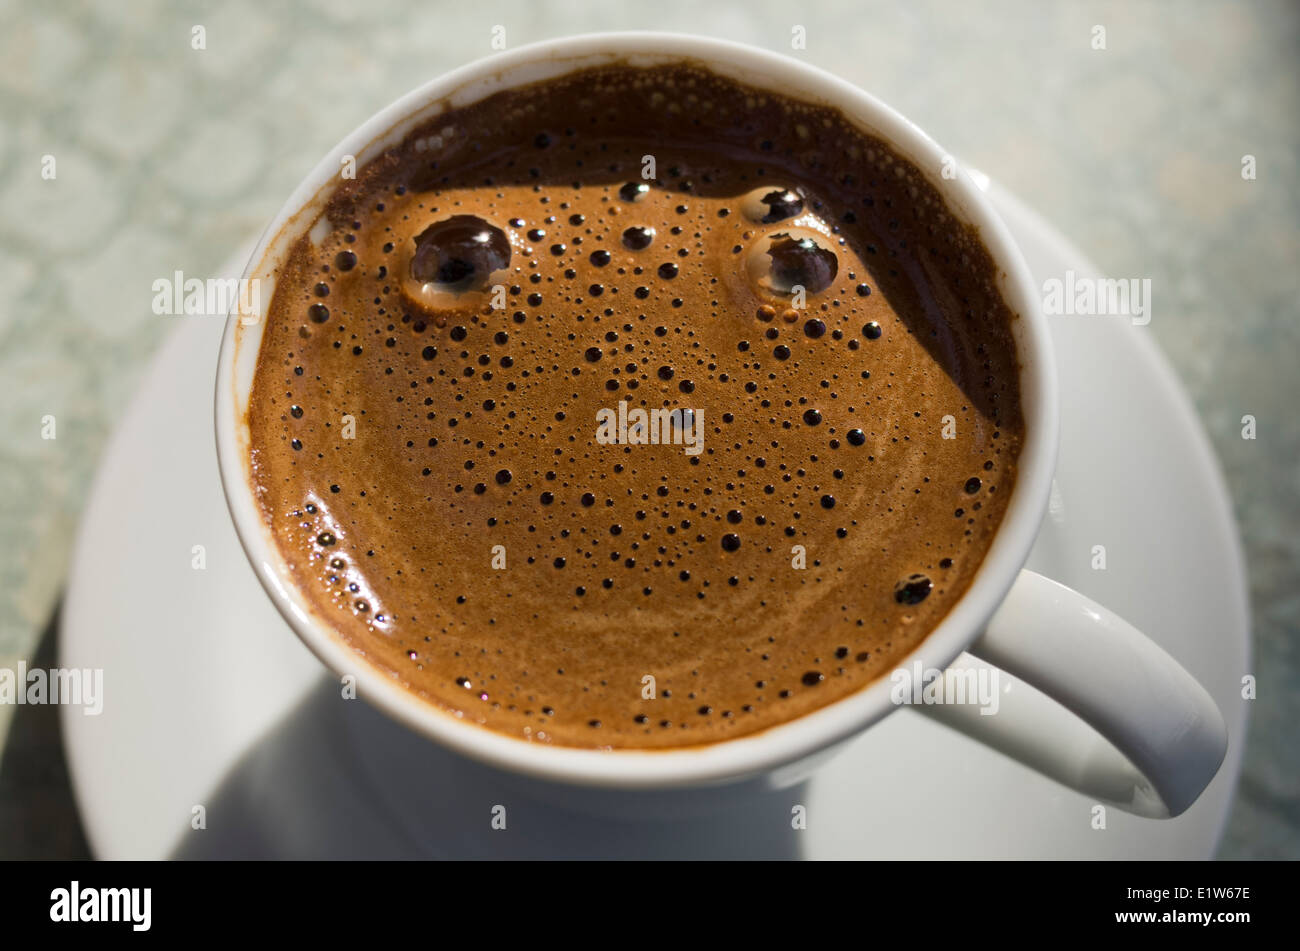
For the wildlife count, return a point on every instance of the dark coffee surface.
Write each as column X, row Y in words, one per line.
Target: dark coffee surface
column 403, row 427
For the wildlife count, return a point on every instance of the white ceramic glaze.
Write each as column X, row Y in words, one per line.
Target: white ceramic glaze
column 1178, row 765
column 1110, row 675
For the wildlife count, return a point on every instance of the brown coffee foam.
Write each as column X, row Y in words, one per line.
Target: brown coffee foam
column 414, row 544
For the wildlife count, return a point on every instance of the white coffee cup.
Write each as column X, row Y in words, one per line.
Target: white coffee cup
column 1113, row 715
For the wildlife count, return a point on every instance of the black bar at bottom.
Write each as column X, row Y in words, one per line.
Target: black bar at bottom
column 332, row 900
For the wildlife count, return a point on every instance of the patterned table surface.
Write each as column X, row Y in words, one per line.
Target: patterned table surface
column 167, row 157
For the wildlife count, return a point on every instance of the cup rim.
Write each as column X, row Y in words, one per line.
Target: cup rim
column 725, row 760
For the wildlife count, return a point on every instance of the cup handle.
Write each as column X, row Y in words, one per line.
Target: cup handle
column 1093, row 676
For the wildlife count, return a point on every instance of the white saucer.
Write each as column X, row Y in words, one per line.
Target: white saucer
column 210, row 699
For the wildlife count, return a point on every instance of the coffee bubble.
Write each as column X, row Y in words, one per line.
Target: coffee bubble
column 458, row 251
column 638, row 237
column 913, row 589
column 767, row 204
column 798, row 257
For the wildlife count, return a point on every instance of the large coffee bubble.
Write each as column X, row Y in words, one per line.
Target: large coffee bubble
column 769, row 204
column 454, row 257
column 460, row 251
column 780, row 262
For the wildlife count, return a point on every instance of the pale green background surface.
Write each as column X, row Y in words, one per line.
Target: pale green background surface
column 170, row 157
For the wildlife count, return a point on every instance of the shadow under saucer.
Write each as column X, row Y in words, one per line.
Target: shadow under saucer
column 338, row 779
